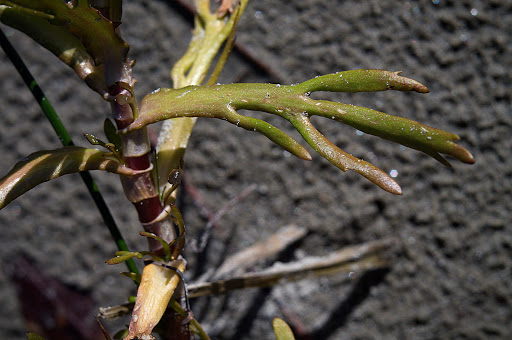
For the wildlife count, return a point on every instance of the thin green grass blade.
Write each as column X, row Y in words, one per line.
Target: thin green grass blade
column 66, row 140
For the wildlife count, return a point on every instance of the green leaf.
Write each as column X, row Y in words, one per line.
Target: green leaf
column 341, row 159
column 111, row 133
column 230, row 42
column 56, row 39
column 122, row 256
column 293, row 103
column 111, row 9
column 404, row 131
column 165, row 246
column 43, row 166
column 94, row 140
column 121, row 334
column 34, row 336
column 177, row 245
column 78, row 34
column 134, row 276
column 362, row 81
column 282, row 330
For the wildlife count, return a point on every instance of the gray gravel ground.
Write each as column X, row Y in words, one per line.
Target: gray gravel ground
column 451, row 277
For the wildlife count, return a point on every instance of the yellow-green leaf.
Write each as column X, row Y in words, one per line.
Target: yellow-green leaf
column 282, row 330
column 34, row 336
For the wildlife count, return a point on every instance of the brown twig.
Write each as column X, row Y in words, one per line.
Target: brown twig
column 193, row 192
column 241, row 261
column 363, row 257
column 199, row 246
column 259, row 252
column 367, row 256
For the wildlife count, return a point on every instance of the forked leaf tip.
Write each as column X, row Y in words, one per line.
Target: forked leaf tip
column 439, row 158
column 456, row 151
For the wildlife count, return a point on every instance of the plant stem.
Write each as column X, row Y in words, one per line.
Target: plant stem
column 139, row 189
column 199, row 329
column 66, row 140
column 210, row 32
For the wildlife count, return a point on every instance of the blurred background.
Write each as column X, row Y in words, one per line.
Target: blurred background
column 449, row 277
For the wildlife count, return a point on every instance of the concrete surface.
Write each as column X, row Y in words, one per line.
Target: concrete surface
column 451, row 276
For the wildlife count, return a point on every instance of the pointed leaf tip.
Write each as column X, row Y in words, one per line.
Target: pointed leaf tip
column 282, row 330
column 341, row 159
column 397, row 82
column 362, row 81
column 43, row 166
column 34, row 336
column 463, row 155
column 381, row 179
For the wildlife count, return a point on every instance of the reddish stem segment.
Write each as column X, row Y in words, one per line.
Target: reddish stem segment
column 140, row 189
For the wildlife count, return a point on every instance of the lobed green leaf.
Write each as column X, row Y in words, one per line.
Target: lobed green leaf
column 292, row 102
column 401, row 130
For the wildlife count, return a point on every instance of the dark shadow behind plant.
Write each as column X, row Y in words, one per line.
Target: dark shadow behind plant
column 85, row 35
